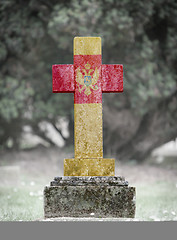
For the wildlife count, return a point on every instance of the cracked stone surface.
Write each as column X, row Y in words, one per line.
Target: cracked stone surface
column 89, row 197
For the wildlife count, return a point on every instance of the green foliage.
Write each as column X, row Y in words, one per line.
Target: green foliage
column 36, row 34
column 15, row 95
column 127, row 30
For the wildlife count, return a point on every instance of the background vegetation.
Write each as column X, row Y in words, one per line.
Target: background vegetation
column 139, row 34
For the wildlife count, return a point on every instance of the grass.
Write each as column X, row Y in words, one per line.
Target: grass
column 21, row 204
column 156, row 198
column 154, row 202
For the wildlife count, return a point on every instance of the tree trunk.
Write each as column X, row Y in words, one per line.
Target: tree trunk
column 156, row 127
column 70, row 140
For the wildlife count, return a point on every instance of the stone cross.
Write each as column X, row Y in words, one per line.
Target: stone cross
column 88, row 78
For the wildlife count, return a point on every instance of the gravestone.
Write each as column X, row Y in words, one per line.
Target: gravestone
column 89, row 186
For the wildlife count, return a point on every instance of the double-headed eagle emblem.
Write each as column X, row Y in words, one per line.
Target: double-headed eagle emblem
column 87, row 81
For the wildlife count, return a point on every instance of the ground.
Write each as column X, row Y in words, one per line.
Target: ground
column 24, row 174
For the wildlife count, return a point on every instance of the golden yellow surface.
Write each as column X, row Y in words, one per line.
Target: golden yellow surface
column 89, row 167
column 87, row 46
column 88, row 134
column 80, row 79
column 88, row 130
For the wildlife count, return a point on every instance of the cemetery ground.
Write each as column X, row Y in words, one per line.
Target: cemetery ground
column 24, row 174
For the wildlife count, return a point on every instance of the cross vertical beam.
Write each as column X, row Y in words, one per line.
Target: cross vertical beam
column 88, row 98
column 87, row 79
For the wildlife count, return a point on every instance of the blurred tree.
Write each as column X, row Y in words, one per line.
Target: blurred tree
column 140, row 34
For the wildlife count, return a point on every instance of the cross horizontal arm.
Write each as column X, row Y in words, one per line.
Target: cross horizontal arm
column 112, row 78
column 63, row 78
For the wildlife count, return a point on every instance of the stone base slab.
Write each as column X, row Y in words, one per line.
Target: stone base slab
column 89, row 167
column 89, row 197
column 89, row 219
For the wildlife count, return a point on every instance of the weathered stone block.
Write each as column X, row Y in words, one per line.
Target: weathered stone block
column 89, row 196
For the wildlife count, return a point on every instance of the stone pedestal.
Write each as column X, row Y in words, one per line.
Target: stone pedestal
column 89, row 197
